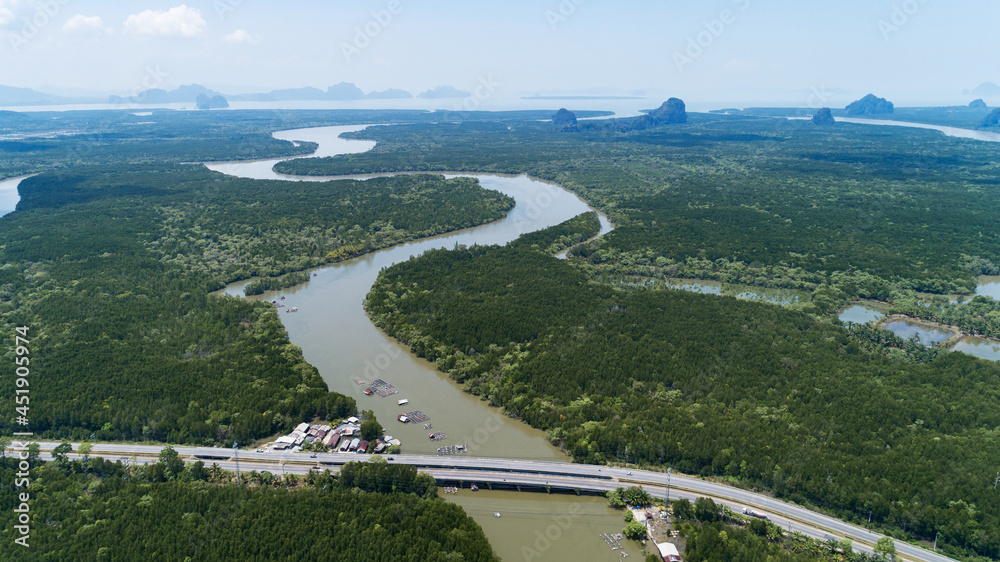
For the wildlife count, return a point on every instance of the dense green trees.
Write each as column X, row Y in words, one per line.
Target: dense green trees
column 379, row 476
column 631, row 496
column 101, row 510
column 711, row 385
column 901, row 206
column 712, row 533
column 561, row 236
column 44, row 140
column 111, row 270
column 886, row 548
column 979, row 316
column 635, row 531
column 133, row 348
column 261, row 286
column 371, row 429
column 233, row 228
column 711, row 542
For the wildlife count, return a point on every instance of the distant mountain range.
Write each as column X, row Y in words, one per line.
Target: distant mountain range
column 443, row 92
column 341, row 91
column 11, row 96
column 987, row 89
column 184, row 94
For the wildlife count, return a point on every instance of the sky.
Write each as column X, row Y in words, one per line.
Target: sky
column 801, row 52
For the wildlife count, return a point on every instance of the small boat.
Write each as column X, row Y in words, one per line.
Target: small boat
column 369, row 392
column 403, row 418
column 496, row 514
column 282, row 297
column 288, row 310
column 295, row 309
column 314, row 274
column 403, row 402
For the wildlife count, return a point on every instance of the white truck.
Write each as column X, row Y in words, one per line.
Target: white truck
column 752, row 513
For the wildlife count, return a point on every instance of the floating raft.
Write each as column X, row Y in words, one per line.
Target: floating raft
column 452, row 450
column 614, row 541
column 416, row 416
column 438, row 436
column 359, row 381
column 383, row 388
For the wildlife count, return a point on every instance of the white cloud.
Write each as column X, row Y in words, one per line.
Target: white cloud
column 81, row 22
column 7, row 8
column 240, row 36
column 180, row 20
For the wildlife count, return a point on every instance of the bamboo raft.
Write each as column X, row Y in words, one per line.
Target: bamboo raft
column 614, row 541
column 383, row 388
column 416, row 416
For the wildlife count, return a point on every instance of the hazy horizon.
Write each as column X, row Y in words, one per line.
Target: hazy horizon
column 741, row 51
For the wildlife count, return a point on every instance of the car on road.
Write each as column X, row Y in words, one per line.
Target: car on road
column 628, row 474
column 389, row 459
column 312, row 456
column 260, row 450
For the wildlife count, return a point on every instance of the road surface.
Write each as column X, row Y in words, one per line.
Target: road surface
column 533, row 475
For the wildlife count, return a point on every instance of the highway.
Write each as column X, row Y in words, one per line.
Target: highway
column 534, row 475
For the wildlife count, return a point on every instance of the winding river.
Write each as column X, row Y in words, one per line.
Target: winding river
column 338, row 338
column 9, row 195
column 957, row 132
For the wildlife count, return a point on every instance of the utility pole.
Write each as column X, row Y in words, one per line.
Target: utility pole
column 666, row 505
column 936, row 535
column 236, row 454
